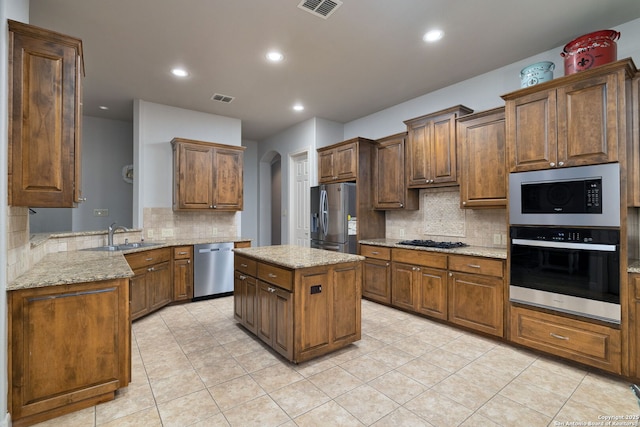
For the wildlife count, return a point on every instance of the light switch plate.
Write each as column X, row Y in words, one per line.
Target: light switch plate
column 101, row 212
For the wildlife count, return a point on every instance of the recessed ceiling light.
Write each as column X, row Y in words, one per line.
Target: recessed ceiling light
column 103, row 107
column 179, row 72
column 298, row 107
column 275, row 56
column 433, row 35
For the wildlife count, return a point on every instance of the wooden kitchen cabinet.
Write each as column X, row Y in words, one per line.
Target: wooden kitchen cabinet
column 69, row 348
column 376, row 282
column 419, row 282
column 45, row 102
column 207, row 176
column 634, row 327
column 338, row 163
column 590, row 343
column 576, row 120
column 476, row 293
column 302, row 312
column 390, row 189
column 183, row 273
column 483, row 167
column 151, row 286
column 431, row 148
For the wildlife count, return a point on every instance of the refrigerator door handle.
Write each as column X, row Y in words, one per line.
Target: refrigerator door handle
column 324, row 212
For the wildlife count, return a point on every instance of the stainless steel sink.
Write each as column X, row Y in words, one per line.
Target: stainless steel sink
column 123, row 247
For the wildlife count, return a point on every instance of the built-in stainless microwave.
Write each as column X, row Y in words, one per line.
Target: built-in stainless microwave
column 579, row 196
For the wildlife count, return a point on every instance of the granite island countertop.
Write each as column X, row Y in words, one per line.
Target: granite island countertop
column 63, row 268
column 294, row 257
column 499, row 253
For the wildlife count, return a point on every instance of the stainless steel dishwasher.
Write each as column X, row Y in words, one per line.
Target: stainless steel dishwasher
column 212, row 270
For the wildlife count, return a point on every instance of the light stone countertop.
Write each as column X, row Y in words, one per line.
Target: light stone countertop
column 294, row 257
column 63, row 268
column 499, row 253
column 634, row 266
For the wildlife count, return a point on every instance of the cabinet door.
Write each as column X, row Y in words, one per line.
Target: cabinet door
column 432, row 292
column 443, row 163
column 139, row 294
column 44, row 137
column 483, row 175
column 282, row 304
column 477, row 302
column 419, row 152
column 194, row 177
column 68, row 344
column 182, row 279
column 403, row 290
column 377, row 280
column 532, row 131
column 314, row 302
column 250, row 302
column 239, row 291
column 588, row 126
column 634, row 327
column 227, row 179
column 389, row 186
column 326, row 160
column 345, row 304
column 265, row 311
column 159, row 284
column 346, row 162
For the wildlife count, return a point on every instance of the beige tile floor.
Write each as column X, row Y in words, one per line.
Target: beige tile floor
column 194, row 366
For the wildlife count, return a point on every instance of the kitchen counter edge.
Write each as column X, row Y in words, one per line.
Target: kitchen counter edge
column 481, row 251
column 294, row 257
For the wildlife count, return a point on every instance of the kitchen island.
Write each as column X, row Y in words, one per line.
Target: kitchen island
column 302, row 302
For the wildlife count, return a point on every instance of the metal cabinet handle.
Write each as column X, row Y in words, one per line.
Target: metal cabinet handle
column 401, row 205
column 188, row 261
column 387, row 264
column 473, row 265
column 464, row 203
column 149, row 259
column 560, row 337
column 242, row 277
column 450, row 274
column 82, row 199
column 244, row 265
column 151, row 269
column 214, row 206
column 375, row 253
column 210, row 206
column 560, row 163
column 273, row 276
column 552, row 164
column 270, row 289
column 182, row 253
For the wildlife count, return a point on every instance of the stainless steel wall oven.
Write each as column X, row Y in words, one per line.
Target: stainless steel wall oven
column 565, row 240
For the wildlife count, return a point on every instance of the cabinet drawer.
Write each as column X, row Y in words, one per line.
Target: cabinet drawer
column 245, row 265
column 585, row 342
column 377, row 252
column 146, row 258
column 466, row 264
column 276, row 275
column 417, row 257
column 183, row 252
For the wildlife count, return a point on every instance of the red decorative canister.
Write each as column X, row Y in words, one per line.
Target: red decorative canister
column 590, row 50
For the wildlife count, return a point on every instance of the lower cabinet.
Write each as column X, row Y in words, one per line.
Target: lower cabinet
column 151, row 286
column 183, row 273
column 634, row 327
column 69, row 348
column 476, row 294
column 301, row 313
column 376, row 282
column 586, row 342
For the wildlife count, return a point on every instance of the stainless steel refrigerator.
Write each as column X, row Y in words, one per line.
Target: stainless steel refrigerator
column 333, row 217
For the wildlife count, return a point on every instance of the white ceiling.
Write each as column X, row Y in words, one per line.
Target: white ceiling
column 367, row 56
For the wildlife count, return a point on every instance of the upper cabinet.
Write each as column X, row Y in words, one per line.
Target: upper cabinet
column 481, row 141
column 338, row 163
column 389, row 178
column 431, row 148
column 45, row 72
column 576, row 120
column 207, row 176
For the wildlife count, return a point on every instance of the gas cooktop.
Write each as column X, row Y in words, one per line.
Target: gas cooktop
column 434, row 244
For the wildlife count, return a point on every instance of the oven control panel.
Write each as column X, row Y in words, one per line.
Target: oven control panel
column 569, row 235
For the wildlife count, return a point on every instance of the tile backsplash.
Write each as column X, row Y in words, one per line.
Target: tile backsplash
column 441, row 218
column 164, row 223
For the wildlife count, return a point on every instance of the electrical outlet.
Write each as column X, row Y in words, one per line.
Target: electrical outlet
column 214, row 231
column 150, row 234
column 402, row 232
column 167, row 232
column 101, row 212
column 496, row 239
column 504, row 240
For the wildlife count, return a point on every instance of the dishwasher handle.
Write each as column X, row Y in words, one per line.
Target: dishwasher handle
column 204, row 251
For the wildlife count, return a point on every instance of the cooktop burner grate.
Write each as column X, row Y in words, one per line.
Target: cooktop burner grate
column 434, row 244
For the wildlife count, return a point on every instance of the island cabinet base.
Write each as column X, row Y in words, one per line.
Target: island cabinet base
column 301, row 313
column 69, row 348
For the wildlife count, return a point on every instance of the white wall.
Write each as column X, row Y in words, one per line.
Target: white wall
column 250, row 215
column 19, row 11
column 478, row 93
column 155, row 125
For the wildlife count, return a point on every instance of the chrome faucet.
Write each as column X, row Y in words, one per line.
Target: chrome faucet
column 112, row 229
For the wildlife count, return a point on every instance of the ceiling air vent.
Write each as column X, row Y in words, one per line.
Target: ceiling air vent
column 321, row 8
column 222, row 98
